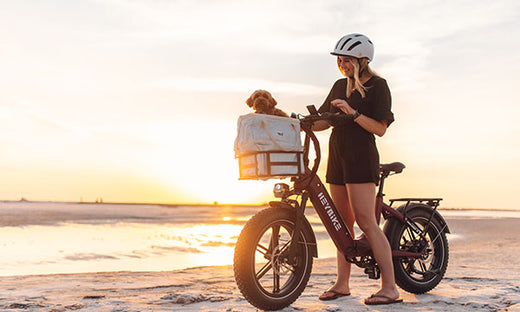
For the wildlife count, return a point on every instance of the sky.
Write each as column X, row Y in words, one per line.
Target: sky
column 137, row 100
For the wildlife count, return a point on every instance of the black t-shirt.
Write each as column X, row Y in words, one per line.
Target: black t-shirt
column 353, row 155
column 376, row 104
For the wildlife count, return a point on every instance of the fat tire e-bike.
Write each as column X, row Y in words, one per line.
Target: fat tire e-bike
column 275, row 250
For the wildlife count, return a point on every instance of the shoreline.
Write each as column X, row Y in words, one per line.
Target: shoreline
column 214, row 204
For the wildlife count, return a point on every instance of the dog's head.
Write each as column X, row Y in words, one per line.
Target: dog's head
column 261, row 101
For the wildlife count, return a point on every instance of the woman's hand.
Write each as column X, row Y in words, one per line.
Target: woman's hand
column 371, row 125
column 343, row 105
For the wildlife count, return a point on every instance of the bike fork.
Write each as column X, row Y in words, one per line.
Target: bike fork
column 300, row 214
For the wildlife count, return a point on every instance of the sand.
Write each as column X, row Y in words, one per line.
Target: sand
column 483, row 275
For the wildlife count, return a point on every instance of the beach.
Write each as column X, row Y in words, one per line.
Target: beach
column 483, row 275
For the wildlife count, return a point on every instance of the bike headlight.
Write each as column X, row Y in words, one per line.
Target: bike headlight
column 280, row 189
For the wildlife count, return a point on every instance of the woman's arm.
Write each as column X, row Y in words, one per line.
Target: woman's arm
column 371, row 125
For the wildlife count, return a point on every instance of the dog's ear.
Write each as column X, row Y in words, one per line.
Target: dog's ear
column 249, row 101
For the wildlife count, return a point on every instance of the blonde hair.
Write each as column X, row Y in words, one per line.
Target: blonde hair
column 353, row 83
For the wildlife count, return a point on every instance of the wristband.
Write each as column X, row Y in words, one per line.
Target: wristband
column 355, row 115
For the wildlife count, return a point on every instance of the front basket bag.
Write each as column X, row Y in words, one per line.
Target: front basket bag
column 268, row 147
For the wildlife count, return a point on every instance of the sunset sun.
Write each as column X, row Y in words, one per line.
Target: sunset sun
column 205, row 167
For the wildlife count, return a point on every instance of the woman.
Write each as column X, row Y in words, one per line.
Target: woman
column 353, row 165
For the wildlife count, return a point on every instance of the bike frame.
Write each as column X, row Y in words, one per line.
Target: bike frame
column 312, row 188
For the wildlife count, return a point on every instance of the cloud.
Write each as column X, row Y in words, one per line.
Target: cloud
column 177, row 249
column 217, row 244
column 219, row 84
column 89, row 257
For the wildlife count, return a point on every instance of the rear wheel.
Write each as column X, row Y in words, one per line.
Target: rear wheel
column 266, row 275
column 425, row 273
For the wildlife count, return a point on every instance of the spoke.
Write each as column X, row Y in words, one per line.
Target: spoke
column 415, row 270
column 288, row 267
column 264, row 270
column 279, row 243
column 285, row 246
column 407, row 266
column 268, row 252
column 411, row 233
column 439, row 234
column 406, row 237
column 423, row 266
column 261, row 249
column 411, row 267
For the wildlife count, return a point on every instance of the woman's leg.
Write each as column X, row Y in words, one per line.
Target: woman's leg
column 362, row 200
column 340, row 197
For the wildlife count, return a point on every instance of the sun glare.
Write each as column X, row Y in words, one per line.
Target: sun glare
column 200, row 162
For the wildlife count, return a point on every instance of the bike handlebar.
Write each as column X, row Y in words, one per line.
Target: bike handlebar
column 334, row 119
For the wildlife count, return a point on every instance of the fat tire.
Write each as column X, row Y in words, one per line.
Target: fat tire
column 404, row 275
column 245, row 266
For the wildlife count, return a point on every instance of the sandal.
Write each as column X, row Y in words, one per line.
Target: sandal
column 385, row 300
column 335, row 295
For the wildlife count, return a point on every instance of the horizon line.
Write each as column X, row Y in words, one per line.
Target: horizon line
column 215, row 203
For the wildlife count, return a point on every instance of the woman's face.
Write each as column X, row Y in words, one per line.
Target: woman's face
column 345, row 65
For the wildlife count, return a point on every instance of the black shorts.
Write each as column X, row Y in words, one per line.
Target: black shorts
column 354, row 164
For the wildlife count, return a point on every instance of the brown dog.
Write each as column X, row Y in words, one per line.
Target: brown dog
column 263, row 103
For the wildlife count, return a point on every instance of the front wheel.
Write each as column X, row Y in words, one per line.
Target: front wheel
column 268, row 277
column 425, row 273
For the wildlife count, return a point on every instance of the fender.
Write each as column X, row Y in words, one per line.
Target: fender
column 306, row 225
column 404, row 209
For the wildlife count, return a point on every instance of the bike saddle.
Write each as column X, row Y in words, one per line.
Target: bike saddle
column 396, row 167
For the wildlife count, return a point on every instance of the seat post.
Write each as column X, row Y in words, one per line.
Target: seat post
column 384, row 175
column 379, row 196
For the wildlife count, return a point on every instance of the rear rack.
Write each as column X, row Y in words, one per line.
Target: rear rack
column 433, row 202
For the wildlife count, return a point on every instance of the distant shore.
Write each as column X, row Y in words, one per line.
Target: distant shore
column 23, row 200
column 217, row 204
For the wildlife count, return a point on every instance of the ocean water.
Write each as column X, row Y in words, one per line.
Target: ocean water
column 49, row 238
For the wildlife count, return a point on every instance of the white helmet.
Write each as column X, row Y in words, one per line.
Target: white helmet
column 356, row 45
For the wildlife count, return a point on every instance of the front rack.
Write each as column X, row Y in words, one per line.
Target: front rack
column 263, row 165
